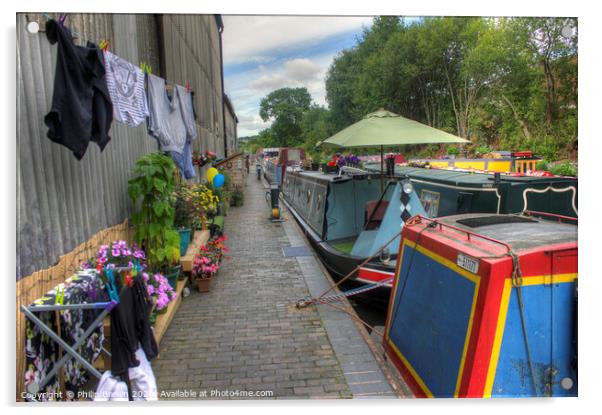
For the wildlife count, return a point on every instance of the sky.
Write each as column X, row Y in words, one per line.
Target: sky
column 264, row 53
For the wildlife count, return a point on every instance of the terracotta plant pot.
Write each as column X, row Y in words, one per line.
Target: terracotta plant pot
column 204, row 285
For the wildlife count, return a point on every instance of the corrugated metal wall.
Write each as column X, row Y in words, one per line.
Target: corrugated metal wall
column 62, row 201
column 231, row 131
column 192, row 54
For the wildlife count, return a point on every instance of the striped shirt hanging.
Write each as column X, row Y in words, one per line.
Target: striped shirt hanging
column 126, row 88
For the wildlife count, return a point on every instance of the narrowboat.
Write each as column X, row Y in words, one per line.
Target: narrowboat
column 498, row 161
column 446, row 192
column 485, row 305
column 347, row 220
column 276, row 161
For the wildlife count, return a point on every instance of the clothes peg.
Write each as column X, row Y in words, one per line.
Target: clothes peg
column 60, row 295
column 145, row 67
column 111, row 288
column 103, row 45
column 188, row 86
column 63, row 18
column 128, row 279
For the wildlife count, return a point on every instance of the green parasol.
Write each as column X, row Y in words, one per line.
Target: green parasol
column 387, row 129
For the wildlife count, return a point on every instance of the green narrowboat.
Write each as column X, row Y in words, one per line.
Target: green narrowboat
column 449, row 192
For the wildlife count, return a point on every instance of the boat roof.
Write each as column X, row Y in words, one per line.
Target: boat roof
column 466, row 178
column 522, row 233
column 329, row 177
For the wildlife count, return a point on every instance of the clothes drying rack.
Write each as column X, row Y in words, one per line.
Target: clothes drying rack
column 71, row 350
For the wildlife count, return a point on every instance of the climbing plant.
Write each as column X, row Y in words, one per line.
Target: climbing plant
column 153, row 185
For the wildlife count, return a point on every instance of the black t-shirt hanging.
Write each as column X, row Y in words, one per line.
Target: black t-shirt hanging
column 81, row 106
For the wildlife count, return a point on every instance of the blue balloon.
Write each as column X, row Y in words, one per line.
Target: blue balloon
column 218, row 180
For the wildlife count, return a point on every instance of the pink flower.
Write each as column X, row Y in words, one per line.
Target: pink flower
column 115, row 252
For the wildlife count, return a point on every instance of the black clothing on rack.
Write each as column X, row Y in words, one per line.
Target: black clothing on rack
column 130, row 329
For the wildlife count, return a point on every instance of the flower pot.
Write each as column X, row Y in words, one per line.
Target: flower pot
column 331, row 169
column 172, row 276
column 184, row 240
column 204, row 285
column 315, row 166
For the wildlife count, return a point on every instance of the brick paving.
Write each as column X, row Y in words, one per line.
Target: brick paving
column 246, row 334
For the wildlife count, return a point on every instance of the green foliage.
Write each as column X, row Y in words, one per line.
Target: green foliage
column 483, row 149
column 315, row 126
column 453, row 150
column 237, row 198
column 506, row 83
column 566, row 168
column 542, row 165
column 285, row 107
column 153, row 186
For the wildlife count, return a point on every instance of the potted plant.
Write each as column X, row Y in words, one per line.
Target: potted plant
column 207, row 262
column 453, row 152
column 151, row 189
column 185, row 213
column 237, row 198
column 316, row 162
column 173, row 268
column 160, row 291
column 206, row 203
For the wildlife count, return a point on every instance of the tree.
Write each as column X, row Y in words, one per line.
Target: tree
column 510, row 83
column 316, row 126
column 285, row 108
column 549, row 44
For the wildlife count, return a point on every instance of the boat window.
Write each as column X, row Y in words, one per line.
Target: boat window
column 294, row 154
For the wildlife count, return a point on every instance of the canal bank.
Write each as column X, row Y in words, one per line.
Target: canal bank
column 246, row 339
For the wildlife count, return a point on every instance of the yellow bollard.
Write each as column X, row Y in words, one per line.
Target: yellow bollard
column 276, row 213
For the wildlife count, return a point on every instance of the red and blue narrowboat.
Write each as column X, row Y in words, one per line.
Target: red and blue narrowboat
column 485, row 305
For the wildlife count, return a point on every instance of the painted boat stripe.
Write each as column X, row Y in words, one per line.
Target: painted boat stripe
column 501, row 321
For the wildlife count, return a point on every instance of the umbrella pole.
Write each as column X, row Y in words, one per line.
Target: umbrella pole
column 381, row 170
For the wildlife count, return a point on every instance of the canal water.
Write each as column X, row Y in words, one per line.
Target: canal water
column 374, row 315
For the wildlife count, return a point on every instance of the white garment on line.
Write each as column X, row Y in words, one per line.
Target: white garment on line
column 111, row 389
column 187, row 112
column 125, row 83
column 166, row 120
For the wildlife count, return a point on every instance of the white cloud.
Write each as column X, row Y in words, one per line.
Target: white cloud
column 294, row 72
column 248, row 38
column 269, row 82
column 277, row 52
column 301, row 69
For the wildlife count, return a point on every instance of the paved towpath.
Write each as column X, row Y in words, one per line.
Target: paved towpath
column 246, row 336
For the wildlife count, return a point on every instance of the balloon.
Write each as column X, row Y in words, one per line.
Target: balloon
column 218, row 180
column 211, row 173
